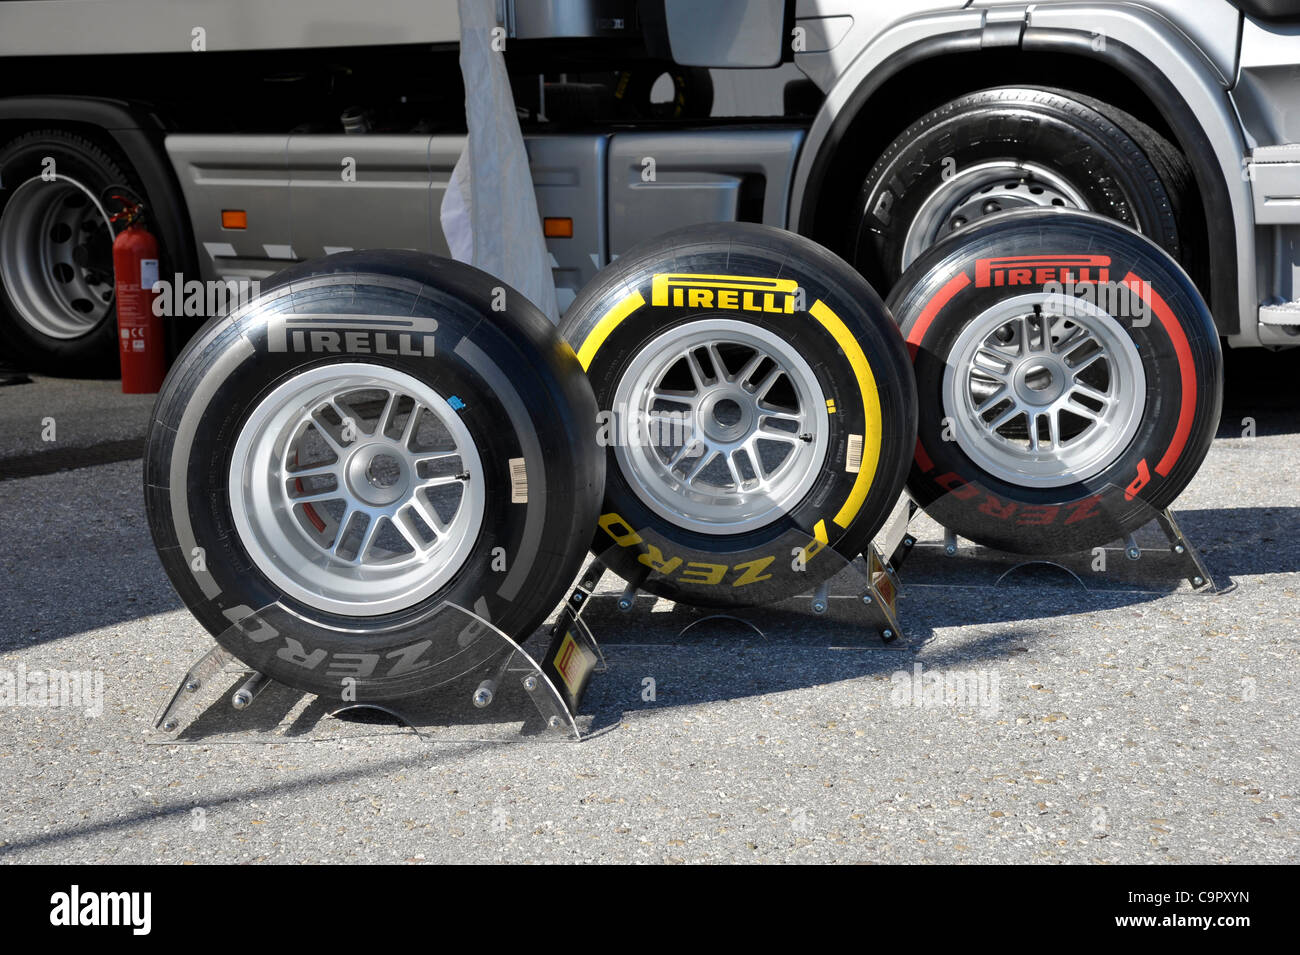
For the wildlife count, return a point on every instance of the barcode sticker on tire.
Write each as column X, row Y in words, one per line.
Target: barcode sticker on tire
column 519, row 481
column 853, row 458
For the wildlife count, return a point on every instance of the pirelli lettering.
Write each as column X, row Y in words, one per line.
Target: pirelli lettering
column 352, row 334
column 742, row 293
column 1041, row 269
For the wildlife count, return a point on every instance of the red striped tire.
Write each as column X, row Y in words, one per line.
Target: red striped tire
column 1069, row 376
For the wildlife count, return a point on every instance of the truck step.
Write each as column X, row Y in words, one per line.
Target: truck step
column 1287, row 313
column 1275, row 175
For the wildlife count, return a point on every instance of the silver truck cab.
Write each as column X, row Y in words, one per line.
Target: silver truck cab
column 787, row 112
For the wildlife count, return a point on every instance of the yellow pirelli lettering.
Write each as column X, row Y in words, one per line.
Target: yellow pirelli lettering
column 608, row 322
column 743, row 292
column 871, row 437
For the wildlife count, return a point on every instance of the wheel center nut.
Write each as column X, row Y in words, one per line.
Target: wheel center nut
column 377, row 476
column 726, row 417
column 1039, row 382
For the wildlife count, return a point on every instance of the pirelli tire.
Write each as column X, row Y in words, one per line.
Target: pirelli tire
column 1070, row 380
column 438, row 405
column 793, row 394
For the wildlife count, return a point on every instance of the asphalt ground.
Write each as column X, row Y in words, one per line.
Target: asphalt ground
column 1137, row 723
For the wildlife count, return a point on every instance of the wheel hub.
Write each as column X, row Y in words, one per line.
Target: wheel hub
column 377, row 476
column 984, row 190
column 727, row 426
column 1041, row 399
column 356, row 489
column 56, row 256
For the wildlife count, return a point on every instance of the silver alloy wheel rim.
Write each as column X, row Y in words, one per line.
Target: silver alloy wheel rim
column 356, row 489
column 56, row 256
column 721, row 426
column 1041, row 392
column 982, row 190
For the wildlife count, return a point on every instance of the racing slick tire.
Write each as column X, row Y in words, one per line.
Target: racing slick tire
column 1070, row 380
column 377, row 435
column 757, row 407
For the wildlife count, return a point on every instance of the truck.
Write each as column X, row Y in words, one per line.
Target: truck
column 258, row 134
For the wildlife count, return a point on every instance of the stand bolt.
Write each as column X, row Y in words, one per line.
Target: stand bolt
column 819, row 606
column 887, row 634
column 192, row 686
column 1198, row 581
column 530, row 682
column 483, row 695
column 1179, row 549
column 866, row 598
column 624, row 603
column 553, row 722
column 170, row 725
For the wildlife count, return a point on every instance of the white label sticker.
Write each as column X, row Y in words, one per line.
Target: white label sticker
column 853, row 459
column 518, row 482
column 148, row 273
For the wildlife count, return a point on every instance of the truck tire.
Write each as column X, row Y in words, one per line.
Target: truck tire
column 997, row 150
column 1055, row 418
column 369, row 439
column 56, row 253
column 692, row 92
column 757, row 407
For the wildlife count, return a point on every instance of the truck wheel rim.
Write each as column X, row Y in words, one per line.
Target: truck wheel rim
column 56, row 256
column 1042, row 392
column 982, row 190
column 721, row 426
column 356, row 489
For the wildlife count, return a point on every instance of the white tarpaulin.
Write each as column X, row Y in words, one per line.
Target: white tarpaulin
column 489, row 212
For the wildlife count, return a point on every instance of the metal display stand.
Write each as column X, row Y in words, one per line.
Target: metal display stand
column 1155, row 558
column 858, row 595
column 488, row 668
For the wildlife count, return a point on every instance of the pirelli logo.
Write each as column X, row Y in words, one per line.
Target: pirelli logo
column 1041, row 269
column 351, row 334
column 739, row 292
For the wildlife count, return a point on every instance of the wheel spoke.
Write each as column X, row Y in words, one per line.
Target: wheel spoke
column 768, row 433
column 381, row 426
column 697, row 370
column 333, row 494
column 992, row 399
column 316, row 470
column 408, row 431
column 768, row 381
column 368, row 538
column 705, row 459
column 751, row 366
column 341, row 533
column 1006, row 417
column 431, row 520
column 405, row 526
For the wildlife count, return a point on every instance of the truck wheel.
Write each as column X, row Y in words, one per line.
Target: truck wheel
column 1069, row 376
column 756, row 404
column 998, row 150
column 365, row 441
column 56, row 253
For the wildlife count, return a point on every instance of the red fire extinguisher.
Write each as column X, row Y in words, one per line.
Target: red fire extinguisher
column 139, row 330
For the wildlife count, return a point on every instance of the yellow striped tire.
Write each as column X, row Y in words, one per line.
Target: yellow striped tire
column 838, row 376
